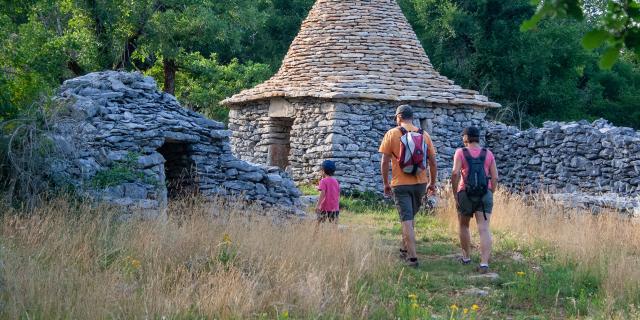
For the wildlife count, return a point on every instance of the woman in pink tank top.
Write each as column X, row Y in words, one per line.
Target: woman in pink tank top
column 478, row 201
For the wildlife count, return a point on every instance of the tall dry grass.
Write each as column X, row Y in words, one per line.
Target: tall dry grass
column 72, row 261
column 606, row 245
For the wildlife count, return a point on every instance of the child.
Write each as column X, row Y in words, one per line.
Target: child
column 328, row 207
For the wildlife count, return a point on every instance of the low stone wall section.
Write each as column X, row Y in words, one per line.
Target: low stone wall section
column 574, row 157
column 121, row 135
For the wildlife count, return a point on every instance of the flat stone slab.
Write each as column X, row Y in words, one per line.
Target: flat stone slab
column 476, row 292
column 488, row 276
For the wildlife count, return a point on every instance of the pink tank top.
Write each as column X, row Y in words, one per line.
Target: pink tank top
column 475, row 152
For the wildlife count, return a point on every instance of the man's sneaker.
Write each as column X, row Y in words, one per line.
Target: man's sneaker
column 464, row 260
column 412, row 262
column 483, row 269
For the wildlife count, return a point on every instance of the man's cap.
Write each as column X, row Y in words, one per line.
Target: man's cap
column 329, row 165
column 471, row 132
column 405, row 111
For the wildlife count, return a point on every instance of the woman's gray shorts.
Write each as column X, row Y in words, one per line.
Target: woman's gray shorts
column 408, row 199
column 467, row 207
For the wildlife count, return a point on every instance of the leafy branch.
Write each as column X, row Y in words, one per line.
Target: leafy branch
column 618, row 28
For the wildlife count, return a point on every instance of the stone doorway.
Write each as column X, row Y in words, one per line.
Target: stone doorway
column 279, row 137
column 179, row 169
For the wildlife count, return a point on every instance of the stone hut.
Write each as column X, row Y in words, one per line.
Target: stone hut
column 334, row 97
column 127, row 143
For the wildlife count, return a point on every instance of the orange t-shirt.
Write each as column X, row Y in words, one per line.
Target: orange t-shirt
column 392, row 146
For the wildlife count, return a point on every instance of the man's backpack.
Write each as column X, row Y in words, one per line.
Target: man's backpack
column 476, row 183
column 413, row 156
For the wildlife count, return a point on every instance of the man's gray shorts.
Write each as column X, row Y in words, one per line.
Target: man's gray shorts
column 408, row 200
column 467, row 207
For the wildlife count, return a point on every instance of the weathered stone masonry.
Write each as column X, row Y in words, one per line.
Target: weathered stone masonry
column 346, row 131
column 120, row 120
column 591, row 158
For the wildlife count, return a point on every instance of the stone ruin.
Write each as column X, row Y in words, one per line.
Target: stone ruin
column 333, row 98
column 126, row 143
column 354, row 62
column 579, row 163
column 335, row 95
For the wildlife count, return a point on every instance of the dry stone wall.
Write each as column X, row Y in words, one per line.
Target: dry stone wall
column 575, row 157
column 129, row 144
column 346, row 131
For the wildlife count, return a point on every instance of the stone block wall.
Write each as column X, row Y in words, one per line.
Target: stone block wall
column 129, row 144
column 583, row 157
column 348, row 131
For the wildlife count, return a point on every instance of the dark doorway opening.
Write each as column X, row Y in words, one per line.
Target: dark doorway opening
column 179, row 169
column 279, row 142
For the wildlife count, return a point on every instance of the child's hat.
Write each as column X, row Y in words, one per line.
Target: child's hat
column 329, row 165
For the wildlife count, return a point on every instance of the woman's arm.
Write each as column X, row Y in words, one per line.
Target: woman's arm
column 494, row 176
column 455, row 173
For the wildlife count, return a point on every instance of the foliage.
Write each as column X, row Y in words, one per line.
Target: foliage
column 210, row 50
column 44, row 42
column 120, row 172
column 27, row 154
column 204, row 82
column 617, row 25
column 536, row 76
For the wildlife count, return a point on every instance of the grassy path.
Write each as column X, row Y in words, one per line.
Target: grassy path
column 529, row 283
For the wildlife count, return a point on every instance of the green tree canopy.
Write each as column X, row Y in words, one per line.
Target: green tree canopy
column 537, row 76
column 615, row 23
column 205, row 50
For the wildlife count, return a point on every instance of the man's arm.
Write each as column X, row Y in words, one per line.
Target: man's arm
column 433, row 165
column 433, row 173
column 384, row 170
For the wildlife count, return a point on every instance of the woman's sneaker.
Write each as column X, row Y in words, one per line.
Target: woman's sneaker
column 412, row 262
column 483, row 269
column 464, row 260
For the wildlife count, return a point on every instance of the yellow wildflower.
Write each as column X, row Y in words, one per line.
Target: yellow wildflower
column 226, row 238
column 520, row 273
column 465, row 310
column 475, row 307
column 454, row 307
column 285, row 314
column 135, row 264
column 413, row 297
column 414, row 305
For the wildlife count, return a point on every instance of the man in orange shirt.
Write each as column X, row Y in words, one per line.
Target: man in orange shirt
column 407, row 189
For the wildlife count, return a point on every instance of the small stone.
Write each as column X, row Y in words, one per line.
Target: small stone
column 135, row 191
column 151, row 160
column 476, row 292
column 251, row 176
column 487, row 276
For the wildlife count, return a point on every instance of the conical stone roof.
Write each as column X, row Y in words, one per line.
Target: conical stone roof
column 359, row 49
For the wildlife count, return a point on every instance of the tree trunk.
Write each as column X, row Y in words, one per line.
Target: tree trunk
column 169, row 76
column 75, row 68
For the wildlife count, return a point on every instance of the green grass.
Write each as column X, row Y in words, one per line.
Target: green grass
column 537, row 287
